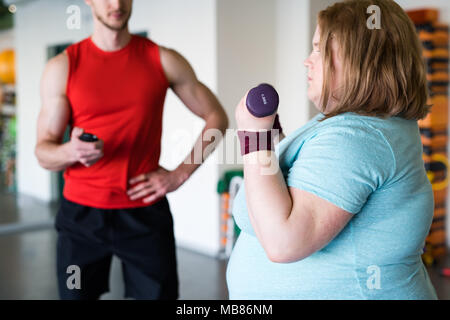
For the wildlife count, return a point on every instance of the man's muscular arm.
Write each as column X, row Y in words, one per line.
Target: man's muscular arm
column 203, row 103
column 52, row 122
column 198, row 99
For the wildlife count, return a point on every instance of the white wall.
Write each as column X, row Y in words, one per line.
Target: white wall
column 7, row 40
column 293, row 43
column 246, row 51
column 444, row 10
column 295, row 26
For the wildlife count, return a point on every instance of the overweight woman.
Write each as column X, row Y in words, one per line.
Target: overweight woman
column 347, row 214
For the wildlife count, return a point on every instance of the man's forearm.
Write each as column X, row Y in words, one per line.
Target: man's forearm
column 53, row 156
column 195, row 159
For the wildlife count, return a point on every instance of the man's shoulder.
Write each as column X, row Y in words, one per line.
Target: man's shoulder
column 55, row 75
column 171, row 56
column 145, row 41
column 58, row 64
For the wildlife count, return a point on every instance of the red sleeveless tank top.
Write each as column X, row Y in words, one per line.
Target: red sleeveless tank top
column 119, row 97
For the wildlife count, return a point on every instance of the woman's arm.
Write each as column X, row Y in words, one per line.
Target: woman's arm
column 291, row 224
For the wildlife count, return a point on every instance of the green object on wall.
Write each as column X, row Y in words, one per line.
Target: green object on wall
column 224, row 186
column 12, row 128
column 8, row 153
column 224, row 183
column 6, row 17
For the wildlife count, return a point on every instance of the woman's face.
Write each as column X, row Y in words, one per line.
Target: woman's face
column 314, row 64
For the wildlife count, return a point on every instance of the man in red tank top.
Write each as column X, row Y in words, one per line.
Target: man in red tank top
column 113, row 85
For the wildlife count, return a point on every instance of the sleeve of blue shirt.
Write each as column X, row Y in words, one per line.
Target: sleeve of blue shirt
column 343, row 164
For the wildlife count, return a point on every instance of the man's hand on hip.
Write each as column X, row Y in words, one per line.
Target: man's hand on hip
column 154, row 185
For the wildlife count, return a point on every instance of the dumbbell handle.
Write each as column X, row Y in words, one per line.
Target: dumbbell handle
column 262, row 101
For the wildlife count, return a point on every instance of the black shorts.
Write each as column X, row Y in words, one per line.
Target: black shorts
column 142, row 238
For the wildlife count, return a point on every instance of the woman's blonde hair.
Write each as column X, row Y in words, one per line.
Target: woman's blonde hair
column 384, row 73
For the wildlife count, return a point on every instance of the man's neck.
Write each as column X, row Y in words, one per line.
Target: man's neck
column 110, row 40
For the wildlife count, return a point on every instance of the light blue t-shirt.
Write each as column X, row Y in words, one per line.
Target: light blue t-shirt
column 372, row 168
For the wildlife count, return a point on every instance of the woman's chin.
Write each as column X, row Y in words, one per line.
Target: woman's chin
column 315, row 103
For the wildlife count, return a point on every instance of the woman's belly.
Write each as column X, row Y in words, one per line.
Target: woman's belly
column 321, row 276
column 251, row 275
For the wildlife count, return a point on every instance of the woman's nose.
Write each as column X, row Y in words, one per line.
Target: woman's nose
column 307, row 62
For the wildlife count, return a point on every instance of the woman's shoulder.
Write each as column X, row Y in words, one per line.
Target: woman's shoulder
column 352, row 132
column 348, row 134
column 356, row 127
column 350, row 127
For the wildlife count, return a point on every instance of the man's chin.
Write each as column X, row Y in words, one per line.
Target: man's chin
column 117, row 26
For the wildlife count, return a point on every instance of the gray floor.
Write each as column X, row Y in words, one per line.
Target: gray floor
column 27, row 271
column 27, row 259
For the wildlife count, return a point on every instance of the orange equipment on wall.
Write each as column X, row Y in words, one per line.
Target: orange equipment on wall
column 7, row 121
column 7, row 67
column 434, row 128
column 227, row 187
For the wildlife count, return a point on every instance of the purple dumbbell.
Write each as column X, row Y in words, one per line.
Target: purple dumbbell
column 262, row 101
